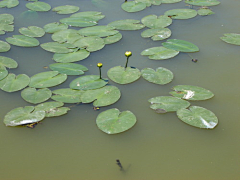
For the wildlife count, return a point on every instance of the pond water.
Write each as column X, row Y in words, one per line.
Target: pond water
column 159, row 146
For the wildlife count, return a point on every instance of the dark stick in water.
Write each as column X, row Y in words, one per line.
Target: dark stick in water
column 119, row 164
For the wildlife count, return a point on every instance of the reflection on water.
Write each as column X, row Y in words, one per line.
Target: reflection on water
column 159, row 146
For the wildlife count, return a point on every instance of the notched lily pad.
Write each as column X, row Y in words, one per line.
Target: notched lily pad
column 133, row 6
column 67, row 95
column 157, row 34
column 100, row 31
column 8, row 62
column 9, row 3
column 72, row 56
column 66, row 36
column 34, row 96
column 32, row 31
column 54, row 27
column 91, row 43
column 23, row 41
column 68, row 68
column 202, row 2
column 56, row 47
column 4, row 47
column 180, row 45
column 113, row 38
column 170, row 1
column 78, row 21
column 205, row 12
column 38, row 6
column 153, row 21
column 181, row 13
column 6, row 23
column 127, row 24
column 231, row 38
column 67, row 9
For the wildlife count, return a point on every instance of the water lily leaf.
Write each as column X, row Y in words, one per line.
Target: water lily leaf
column 102, row 97
column 4, row 47
column 231, row 38
column 150, row 2
column 34, row 96
column 3, row 72
column 112, row 39
column 66, row 35
column 8, row 62
column 202, row 2
column 32, row 31
column 38, row 6
column 163, row 104
column 6, row 21
column 54, row 27
column 133, row 6
column 91, row 43
column 88, row 82
column 67, row 95
column 23, row 115
column 56, row 47
column 181, row 13
column 100, row 31
column 127, row 24
column 205, row 12
column 78, row 21
column 198, row 117
column 23, row 41
column 170, row 1
column 68, row 68
column 67, row 9
column 160, row 76
column 47, row 79
column 9, row 3
column 153, row 21
column 29, row 15
column 13, row 83
column 157, row 34
column 71, row 57
column 89, row 15
column 159, row 53
column 180, row 45
column 112, row 121
column 191, row 92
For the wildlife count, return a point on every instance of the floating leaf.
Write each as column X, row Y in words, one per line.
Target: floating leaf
column 91, row 43
column 160, row 76
column 6, row 21
column 153, row 21
column 181, row 13
column 4, row 47
column 150, row 2
column 205, row 12
column 67, row 9
column 23, row 115
column 78, row 21
column 67, row 95
column 68, row 68
column 38, row 6
column 54, row 27
column 133, row 6
column 159, row 53
column 180, row 45
column 32, row 31
column 157, row 34
column 89, row 15
column 170, row 1
column 47, row 79
column 198, row 117
column 8, row 62
column 9, row 3
column 191, row 92
column 58, row 48
column 102, row 97
column 163, row 104
column 112, row 39
column 100, row 31
column 88, row 82
column 3, row 72
column 66, row 35
column 34, row 96
column 231, row 38
column 127, row 24
column 71, row 57
column 29, row 15
column 202, row 2
column 23, row 41
column 112, row 121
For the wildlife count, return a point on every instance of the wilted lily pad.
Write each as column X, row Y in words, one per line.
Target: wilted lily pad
column 205, row 12
column 6, row 21
column 181, row 13
column 72, row 56
column 191, row 92
column 54, row 27
column 112, row 121
column 231, row 38
column 23, row 41
column 56, row 47
column 160, row 76
column 157, row 34
column 66, row 36
column 202, row 2
column 4, row 47
column 198, row 117
column 153, row 21
column 133, row 6
column 170, row 1
column 100, row 31
column 67, row 9
column 123, row 75
column 68, row 68
column 91, row 43
column 180, row 45
column 23, row 115
column 32, row 31
column 163, row 104
column 127, row 24
column 9, row 3
column 38, row 6
column 36, row 96
column 67, row 95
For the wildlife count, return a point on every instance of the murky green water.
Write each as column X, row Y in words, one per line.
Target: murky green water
column 159, row 146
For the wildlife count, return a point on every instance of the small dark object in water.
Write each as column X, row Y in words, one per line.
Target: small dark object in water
column 160, row 111
column 125, row 0
column 119, row 164
column 32, row 125
column 194, row 60
column 96, row 108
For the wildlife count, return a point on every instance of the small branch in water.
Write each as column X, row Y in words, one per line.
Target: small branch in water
column 119, row 164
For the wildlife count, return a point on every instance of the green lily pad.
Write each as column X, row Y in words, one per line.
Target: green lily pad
column 67, row 95
column 3, row 72
column 71, row 57
column 163, row 104
column 54, row 27
column 47, row 79
column 23, row 115
column 78, row 21
column 160, row 76
column 68, row 68
column 202, row 2
column 191, row 92
column 8, row 62
column 180, row 45
column 153, row 21
column 88, row 82
column 6, row 21
column 170, row 1
column 150, row 2
column 32, row 31
column 67, row 9
column 198, row 117
column 9, row 3
column 23, row 41
column 29, row 15
column 112, row 121
column 157, row 34
column 91, row 43
column 89, row 15
column 66, row 36
column 13, row 83
column 181, row 13
column 133, row 6
column 112, row 39
column 121, row 75
column 205, row 12
column 159, row 53
column 38, row 6
column 231, row 38
column 100, row 31
column 102, row 97
column 34, row 96
column 4, row 47
column 127, row 24
column 56, row 47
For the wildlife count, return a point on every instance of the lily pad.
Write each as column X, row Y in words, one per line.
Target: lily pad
column 67, row 95
column 159, row 53
column 231, row 38
column 56, row 47
column 54, row 27
column 153, row 21
column 89, row 15
column 202, row 2
column 34, row 96
column 13, row 83
column 23, row 115
column 78, row 21
column 91, row 43
column 29, row 15
column 112, row 39
column 68, row 68
column 160, row 76
column 88, row 82
column 66, row 36
column 127, row 24
column 189, row 92
column 163, row 104
column 23, row 41
column 181, row 13
column 198, row 117
column 32, row 31
column 71, row 57
column 102, row 97
column 100, row 31
column 150, row 2
column 6, row 21
column 112, row 121
column 170, row 1
column 205, row 12
column 180, row 45
column 47, row 79
column 67, row 9
column 157, row 34
column 4, row 47
column 133, row 6
column 8, row 62
column 3, row 72
column 38, row 6
column 9, row 3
